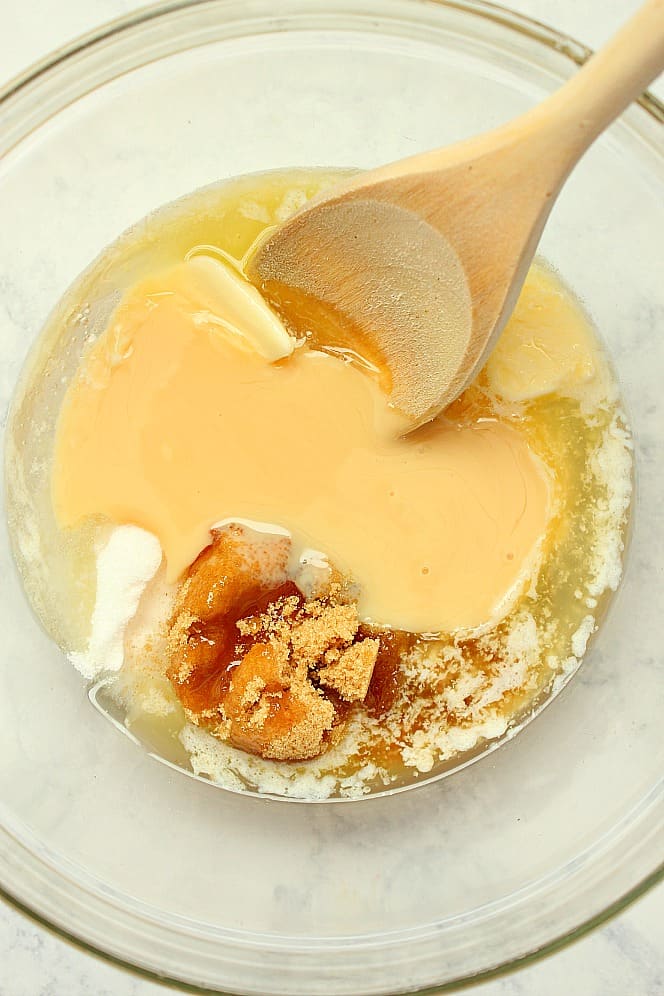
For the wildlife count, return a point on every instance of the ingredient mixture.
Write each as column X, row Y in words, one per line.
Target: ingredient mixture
column 279, row 588
column 308, row 443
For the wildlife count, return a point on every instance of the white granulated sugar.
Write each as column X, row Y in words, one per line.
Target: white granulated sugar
column 154, row 609
column 425, row 751
column 419, row 756
column 522, row 641
column 522, row 650
column 611, row 466
column 464, row 687
column 233, row 769
column 357, row 785
column 125, row 564
column 565, row 671
column 582, row 635
column 154, row 702
column 511, row 677
column 458, row 739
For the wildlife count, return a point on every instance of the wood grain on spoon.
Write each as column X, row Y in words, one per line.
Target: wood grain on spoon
column 416, row 266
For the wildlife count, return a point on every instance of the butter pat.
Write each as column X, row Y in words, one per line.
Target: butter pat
column 546, row 346
column 229, row 299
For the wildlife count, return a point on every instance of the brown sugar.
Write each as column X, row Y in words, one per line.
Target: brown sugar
column 256, row 662
column 349, row 672
column 272, row 709
column 334, row 626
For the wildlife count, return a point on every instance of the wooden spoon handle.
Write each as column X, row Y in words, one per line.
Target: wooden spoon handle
column 615, row 76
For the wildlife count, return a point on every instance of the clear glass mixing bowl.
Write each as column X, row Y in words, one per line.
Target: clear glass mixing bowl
column 505, row 859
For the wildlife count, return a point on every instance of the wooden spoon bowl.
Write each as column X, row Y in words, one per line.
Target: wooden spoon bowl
column 416, row 266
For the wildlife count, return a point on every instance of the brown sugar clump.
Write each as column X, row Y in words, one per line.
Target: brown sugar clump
column 272, row 708
column 333, row 626
column 350, row 673
column 257, row 663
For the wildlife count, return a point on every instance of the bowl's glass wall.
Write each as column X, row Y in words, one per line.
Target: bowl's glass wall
column 434, row 884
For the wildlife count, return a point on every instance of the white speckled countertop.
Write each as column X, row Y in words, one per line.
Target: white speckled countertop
column 626, row 956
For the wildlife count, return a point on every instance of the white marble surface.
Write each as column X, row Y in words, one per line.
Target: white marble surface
column 626, row 956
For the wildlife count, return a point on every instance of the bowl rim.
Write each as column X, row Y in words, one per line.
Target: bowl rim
column 534, row 30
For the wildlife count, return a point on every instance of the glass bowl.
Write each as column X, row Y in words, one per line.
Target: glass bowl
column 459, row 878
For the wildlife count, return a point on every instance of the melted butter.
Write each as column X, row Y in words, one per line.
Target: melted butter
column 175, row 421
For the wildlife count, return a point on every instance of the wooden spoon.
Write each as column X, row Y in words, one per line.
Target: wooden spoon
column 416, row 266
